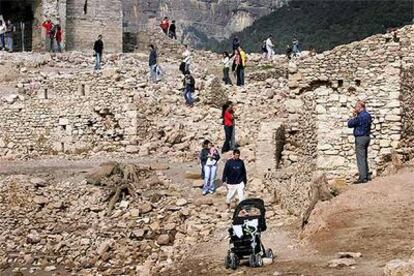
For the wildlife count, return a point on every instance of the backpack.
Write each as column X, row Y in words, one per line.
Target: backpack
column 264, row 48
column 243, row 58
column 182, row 67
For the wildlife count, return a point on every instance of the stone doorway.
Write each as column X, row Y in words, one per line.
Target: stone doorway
column 22, row 14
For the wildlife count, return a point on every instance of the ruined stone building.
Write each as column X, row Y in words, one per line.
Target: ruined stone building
column 124, row 22
column 323, row 90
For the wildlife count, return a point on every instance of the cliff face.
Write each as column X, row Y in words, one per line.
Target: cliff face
column 197, row 18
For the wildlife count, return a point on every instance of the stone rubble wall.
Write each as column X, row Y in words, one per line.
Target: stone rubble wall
column 72, row 115
column 368, row 70
column 323, row 90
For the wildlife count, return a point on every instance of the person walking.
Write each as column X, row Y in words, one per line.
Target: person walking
column 185, row 65
column 172, row 32
column 228, row 122
column 165, row 25
column 98, row 47
column 361, row 123
column 3, row 29
column 288, row 52
column 209, row 156
column 295, row 47
column 226, row 68
column 9, row 35
column 234, row 177
column 189, row 87
column 240, row 62
column 58, row 37
column 269, row 47
column 152, row 62
column 203, row 156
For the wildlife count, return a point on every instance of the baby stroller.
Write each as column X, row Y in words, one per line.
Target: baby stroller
column 245, row 234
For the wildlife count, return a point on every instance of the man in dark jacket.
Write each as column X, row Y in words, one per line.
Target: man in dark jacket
column 234, row 175
column 361, row 123
column 189, row 87
column 98, row 48
column 152, row 62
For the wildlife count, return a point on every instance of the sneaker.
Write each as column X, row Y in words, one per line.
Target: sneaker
column 204, row 193
column 359, row 181
column 211, row 191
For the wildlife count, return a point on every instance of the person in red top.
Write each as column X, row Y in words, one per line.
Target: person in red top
column 58, row 37
column 48, row 25
column 228, row 122
column 165, row 25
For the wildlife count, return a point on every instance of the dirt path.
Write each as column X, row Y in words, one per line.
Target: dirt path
column 376, row 219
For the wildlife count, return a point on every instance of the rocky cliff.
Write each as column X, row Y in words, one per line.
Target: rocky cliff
column 199, row 18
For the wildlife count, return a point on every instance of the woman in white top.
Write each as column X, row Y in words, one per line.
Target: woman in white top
column 187, row 58
column 226, row 68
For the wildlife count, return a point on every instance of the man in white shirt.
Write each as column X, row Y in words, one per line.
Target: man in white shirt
column 269, row 47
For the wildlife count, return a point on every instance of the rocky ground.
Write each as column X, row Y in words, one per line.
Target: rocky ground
column 57, row 219
column 83, row 214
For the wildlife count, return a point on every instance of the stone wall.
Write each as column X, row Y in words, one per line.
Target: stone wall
column 72, row 115
column 368, row 70
column 101, row 17
column 323, row 90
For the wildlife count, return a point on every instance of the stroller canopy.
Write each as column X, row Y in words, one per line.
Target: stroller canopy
column 252, row 208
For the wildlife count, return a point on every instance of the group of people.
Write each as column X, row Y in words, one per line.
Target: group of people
column 236, row 61
column 54, row 36
column 234, row 173
column 169, row 29
column 291, row 50
column 6, row 34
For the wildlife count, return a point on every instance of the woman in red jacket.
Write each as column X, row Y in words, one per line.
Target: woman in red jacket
column 228, row 122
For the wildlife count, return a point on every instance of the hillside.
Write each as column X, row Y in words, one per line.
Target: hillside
column 322, row 24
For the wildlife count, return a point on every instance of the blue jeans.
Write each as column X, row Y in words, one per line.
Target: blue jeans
column 188, row 96
column 209, row 177
column 153, row 72
column 3, row 43
column 10, row 43
column 98, row 58
column 240, row 75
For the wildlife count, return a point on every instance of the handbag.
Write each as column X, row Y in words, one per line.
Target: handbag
column 211, row 162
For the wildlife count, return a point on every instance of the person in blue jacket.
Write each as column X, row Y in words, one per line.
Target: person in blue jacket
column 361, row 123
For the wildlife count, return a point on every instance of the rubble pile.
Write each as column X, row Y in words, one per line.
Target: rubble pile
column 52, row 224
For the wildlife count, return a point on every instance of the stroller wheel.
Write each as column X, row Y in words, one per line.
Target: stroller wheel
column 252, row 260
column 259, row 261
column 269, row 253
column 231, row 261
column 227, row 262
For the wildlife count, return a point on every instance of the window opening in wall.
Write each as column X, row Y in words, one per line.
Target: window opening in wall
column 85, row 7
column 64, row 127
column 358, row 82
column 83, row 90
column 340, row 83
column 46, row 96
column 63, row 146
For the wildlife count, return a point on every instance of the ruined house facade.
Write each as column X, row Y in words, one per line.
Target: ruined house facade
column 323, row 91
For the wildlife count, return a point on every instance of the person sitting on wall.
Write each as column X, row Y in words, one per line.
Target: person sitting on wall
column 165, row 25
column 361, row 123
